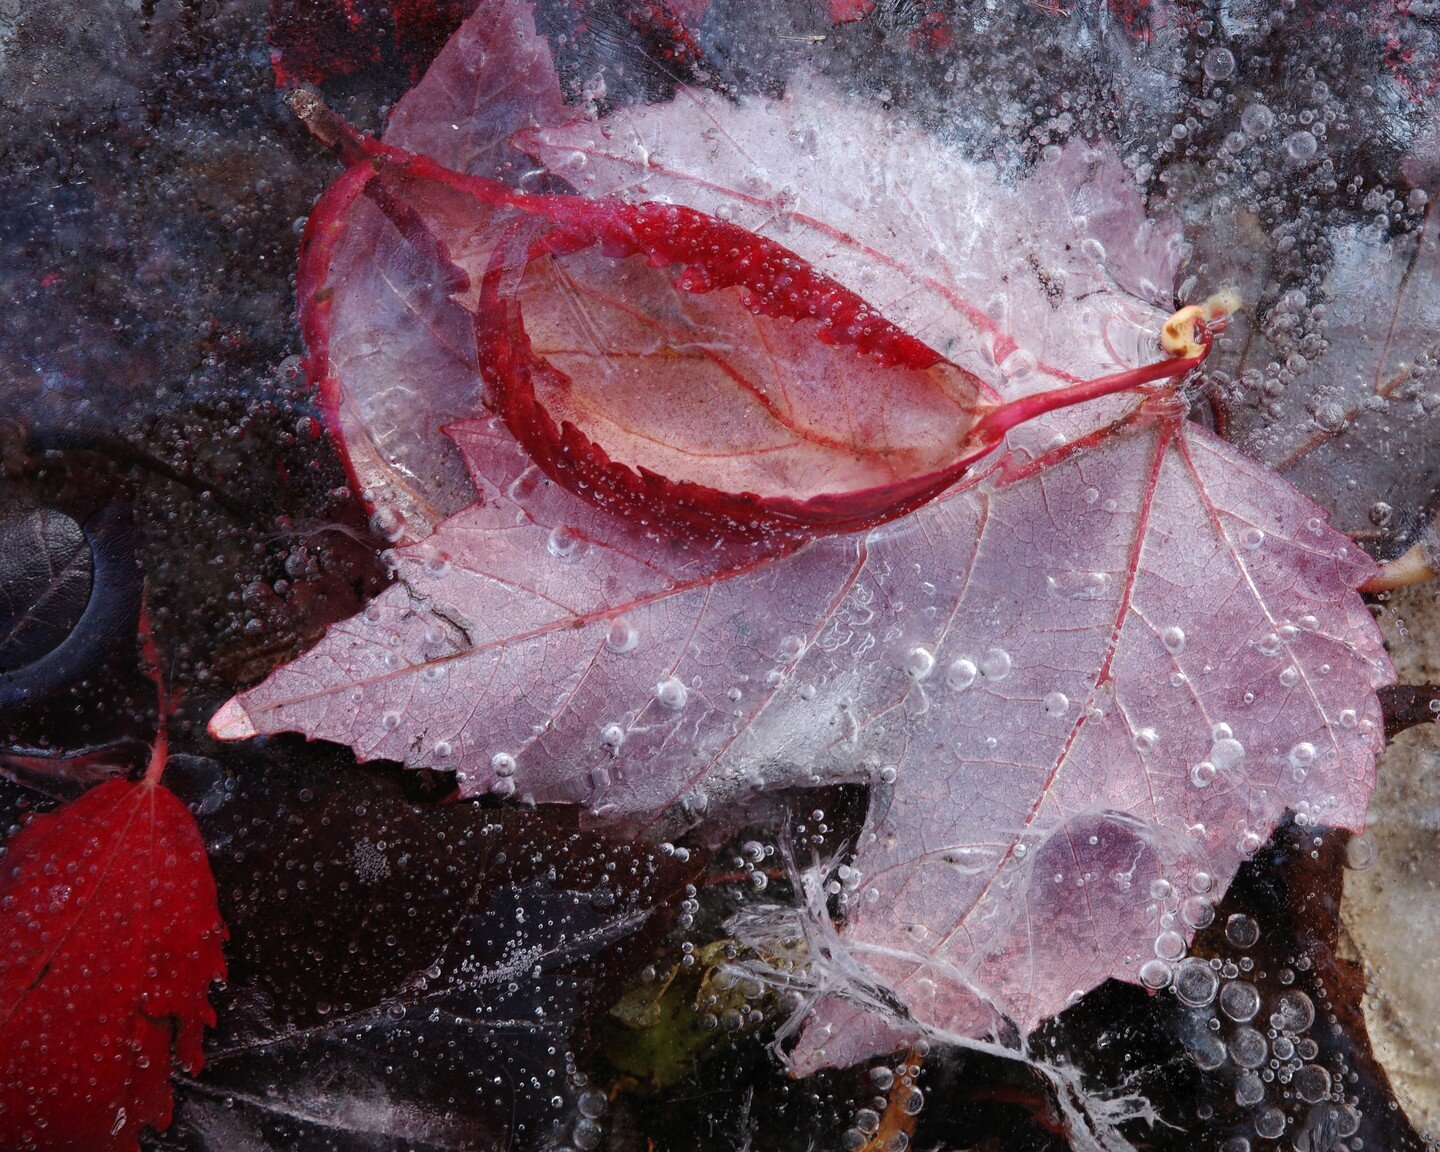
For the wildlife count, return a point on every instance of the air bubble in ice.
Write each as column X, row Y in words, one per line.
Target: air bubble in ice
column 1219, row 63
column 672, row 693
column 1155, row 974
column 1247, row 1047
column 621, row 636
column 1196, row 983
column 1270, row 1124
column 919, row 663
column 1240, row 1000
column 561, row 542
column 1294, row 1011
column 1257, row 120
column 387, row 524
column 995, row 664
column 1226, row 753
column 961, row 674
column 503, row 764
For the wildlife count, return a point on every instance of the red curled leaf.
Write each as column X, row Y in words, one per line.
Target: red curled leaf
column 669, row 365
column 663, row 362
column 110, row 940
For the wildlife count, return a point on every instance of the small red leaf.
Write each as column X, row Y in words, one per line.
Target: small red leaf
column 111, row 938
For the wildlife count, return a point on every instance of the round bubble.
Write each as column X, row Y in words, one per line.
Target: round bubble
column 1196, row 983
column 1241, row 931
column 1248, row 1048
column 1240, row 1000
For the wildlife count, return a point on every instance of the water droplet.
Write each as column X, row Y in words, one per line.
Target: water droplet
column 919, row 663
column 443, row 750
column 1240, row 1000
column 390, row 721
column 503, row 764
column 1226, row 753
column 672, row 694
column 995, row 664
column 1161, row 890
column 1203, row 774
column 1057, row 703
column 1252, row 538
column 1250, row 843
column 621, row 636
column 1174, row 640
column 1145, row 739
column 561, row 542
column 961, row 674
column 612, row 736
column 1348, row 719
column 1289, row 677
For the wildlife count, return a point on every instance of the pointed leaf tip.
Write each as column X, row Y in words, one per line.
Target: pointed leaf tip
column 232, row 722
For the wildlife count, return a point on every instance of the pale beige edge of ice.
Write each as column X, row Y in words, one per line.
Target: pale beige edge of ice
column 1391, row 911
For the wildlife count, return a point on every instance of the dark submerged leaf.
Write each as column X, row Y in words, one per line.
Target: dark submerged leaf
column 405, row 975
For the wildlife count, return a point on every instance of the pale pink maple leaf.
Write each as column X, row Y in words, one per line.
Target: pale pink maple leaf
column 1118, row 656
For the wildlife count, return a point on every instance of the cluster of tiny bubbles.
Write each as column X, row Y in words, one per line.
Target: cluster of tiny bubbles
column 1283, row 1052
column 690, row 905
column 748, row 861
column 731, row 999
column 890, row 1083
